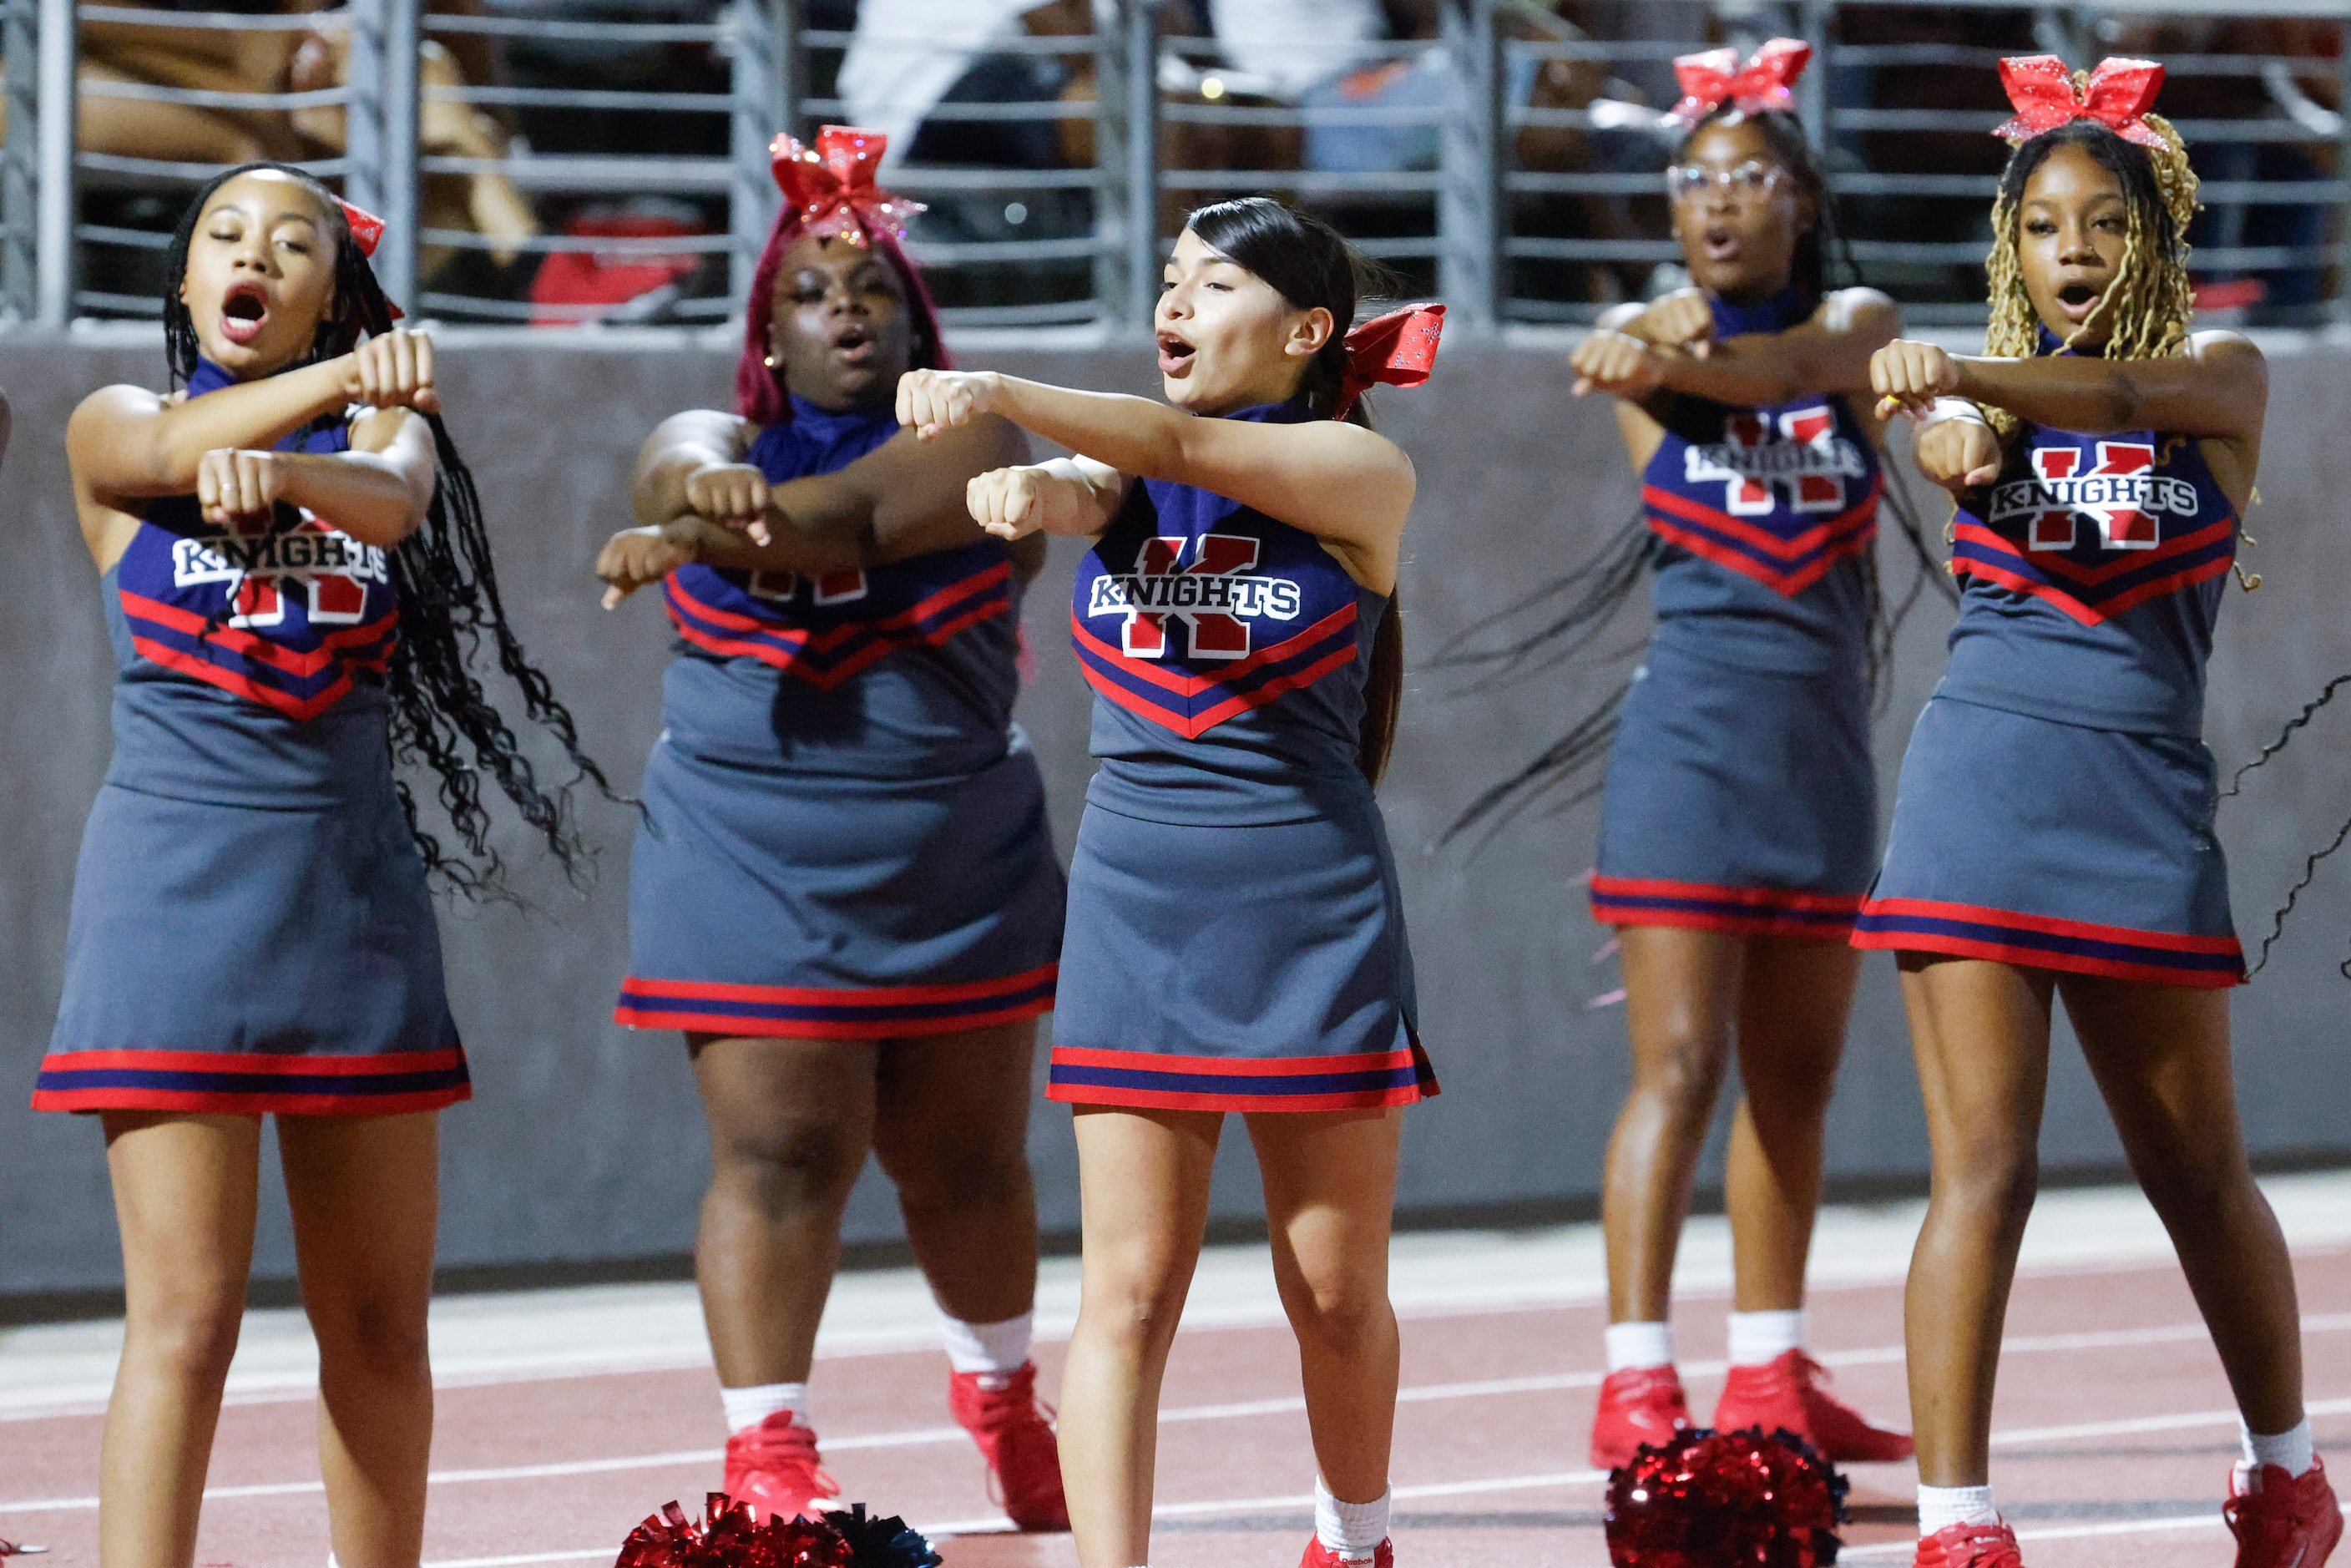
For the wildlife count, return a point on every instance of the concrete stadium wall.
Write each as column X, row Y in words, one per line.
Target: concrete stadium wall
column 584, row 1145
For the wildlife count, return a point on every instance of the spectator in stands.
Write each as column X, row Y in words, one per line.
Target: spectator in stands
column 272, row 60
column 158, row 54
column 487, row 203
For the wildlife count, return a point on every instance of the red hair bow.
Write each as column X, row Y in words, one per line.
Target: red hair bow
column 2119, row 94
column 831, row 186
column 1715, row 78
column 367, row 229
column 1398, row 350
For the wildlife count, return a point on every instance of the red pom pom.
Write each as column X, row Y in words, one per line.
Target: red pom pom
column 733, row 1538
column 1726, row 1500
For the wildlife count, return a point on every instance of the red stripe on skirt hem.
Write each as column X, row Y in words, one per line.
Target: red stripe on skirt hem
column 2041, row 958
column 219, row 1104
column 1730, row 925
column 736, row 1026
column 1184, row 1100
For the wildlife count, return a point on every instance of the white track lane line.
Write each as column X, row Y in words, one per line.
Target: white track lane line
column 1427, row 1393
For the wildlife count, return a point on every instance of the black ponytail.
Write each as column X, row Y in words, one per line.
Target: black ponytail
column 1310, row 264
column 449, row 600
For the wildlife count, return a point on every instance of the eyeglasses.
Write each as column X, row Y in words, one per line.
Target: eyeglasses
column 1753, row 178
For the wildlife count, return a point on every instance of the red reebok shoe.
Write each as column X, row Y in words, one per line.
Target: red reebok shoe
column 1016, row 1437
column 773, row 1467
column 2293, row 1521
column 1788, row 1391
column 1639, row 1404
column 1969, row 1546
column 1321, row 1556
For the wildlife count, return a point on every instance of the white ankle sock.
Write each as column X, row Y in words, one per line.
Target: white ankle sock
column 1351, row 1531
column 1632, row 1345
column 1939, row 1508
column 1000, row 1349
column 1758, row 1339
column 2289, row 1451
column 746, row 1408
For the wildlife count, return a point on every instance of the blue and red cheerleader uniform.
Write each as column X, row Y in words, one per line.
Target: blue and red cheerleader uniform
column 844, row 832
column 1236, row 936
column 1739, row 796
column 2055, row 807
column 250, row 929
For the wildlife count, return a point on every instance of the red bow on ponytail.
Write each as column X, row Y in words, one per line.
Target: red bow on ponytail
column 1398, row 350
column 833, row 187
column 2119, row 94
column 1713, row 78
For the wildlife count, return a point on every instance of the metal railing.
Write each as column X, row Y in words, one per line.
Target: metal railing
column 1510, row 162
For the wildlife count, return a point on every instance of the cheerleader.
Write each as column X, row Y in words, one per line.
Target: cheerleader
column 292, row 568
column 1236, row 941
column 843, row 890
column 2053, row 831
column 1738, row 818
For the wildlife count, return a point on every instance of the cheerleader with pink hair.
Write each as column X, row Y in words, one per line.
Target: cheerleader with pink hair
column 842, row 890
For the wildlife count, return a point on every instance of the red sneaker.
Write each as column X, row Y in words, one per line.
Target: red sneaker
column 1789, row 1392
column 1015, row 1435
column 1969, row 1546
column 773, row 1467
column 1321, row 1556
column 2293, row 1521
column 1639, row 1404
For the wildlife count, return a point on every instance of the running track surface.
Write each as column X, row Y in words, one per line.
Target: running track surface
column 565, row 1418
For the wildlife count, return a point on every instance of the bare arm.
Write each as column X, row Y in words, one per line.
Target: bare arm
column 125, row 442
column 1075, row 497
column 697, row 500
column 2218, row 389
column 1343, row 483
column 1828, row 353
column 903, row 499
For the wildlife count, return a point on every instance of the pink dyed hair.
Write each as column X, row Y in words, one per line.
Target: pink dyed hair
column 759, row 394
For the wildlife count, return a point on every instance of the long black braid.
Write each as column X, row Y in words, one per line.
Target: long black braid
column 2310, row 863
column 449, row 598
column 1573, row 611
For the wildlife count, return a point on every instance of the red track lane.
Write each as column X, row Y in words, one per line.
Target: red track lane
column 1484, row 1474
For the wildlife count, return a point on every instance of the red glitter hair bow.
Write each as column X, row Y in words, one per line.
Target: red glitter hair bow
column 1398, row 350
column 1712, row 80
column 367, row 229
column 2119, row 94
column 831, row 186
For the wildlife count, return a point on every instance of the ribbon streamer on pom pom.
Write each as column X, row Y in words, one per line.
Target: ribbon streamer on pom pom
column 367, row 229
column 1712, row 80
column 1398, row 350
column 832, row 185
column 2117, row 96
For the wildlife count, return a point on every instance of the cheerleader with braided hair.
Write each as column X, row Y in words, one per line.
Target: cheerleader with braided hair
column 294, row 569
column 2051, row 834
column 1738, row 823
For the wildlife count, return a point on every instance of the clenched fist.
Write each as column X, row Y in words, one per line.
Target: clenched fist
column 1957, row 454
column 235, row 487
column 1908, row 376
column 932, row 402
column 1617, row 363
column 1684, row 318
column 394, row 370
column 1012, row 502
column 636, row 556
column 731, row 494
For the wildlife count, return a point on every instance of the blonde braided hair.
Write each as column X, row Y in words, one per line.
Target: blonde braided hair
column 2147, row 305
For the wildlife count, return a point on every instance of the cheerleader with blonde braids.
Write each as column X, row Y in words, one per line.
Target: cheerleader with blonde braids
column 2051, row 833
